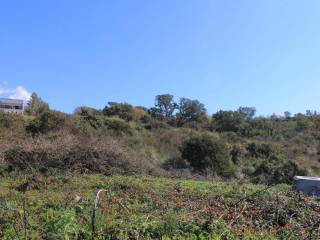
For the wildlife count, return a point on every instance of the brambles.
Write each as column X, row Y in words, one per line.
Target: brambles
column 70, row 154
column 154, row 208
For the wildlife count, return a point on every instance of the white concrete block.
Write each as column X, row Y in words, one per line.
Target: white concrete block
column 307, row 185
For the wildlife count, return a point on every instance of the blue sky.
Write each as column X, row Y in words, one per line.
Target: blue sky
column 226, row 53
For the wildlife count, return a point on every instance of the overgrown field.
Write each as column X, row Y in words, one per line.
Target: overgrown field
column 61, row 207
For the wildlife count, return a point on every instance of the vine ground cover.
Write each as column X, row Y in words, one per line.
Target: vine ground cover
column 138, row 207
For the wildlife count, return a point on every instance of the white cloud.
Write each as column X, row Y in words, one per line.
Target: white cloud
column 20, row 93
column 17, row 93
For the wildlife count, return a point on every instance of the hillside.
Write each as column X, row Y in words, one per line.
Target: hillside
column 171, row 139
column 168, row 172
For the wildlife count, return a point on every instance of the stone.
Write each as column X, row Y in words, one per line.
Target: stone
column 77, row 199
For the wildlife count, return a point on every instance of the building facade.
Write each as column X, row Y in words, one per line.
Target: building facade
column 11, row 105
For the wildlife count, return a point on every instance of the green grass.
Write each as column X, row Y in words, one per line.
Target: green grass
column 151, row 208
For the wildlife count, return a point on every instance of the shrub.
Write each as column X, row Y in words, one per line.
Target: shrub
column 65, row 153
column 117, row 125
column 277, row 169
column 122, row 110
column 261, row 150
column 46, row 122
column 175, row 163
column 91, row 116
column 206, row 153
column 228, row 121
column 271, row 165
column 302, row 124
column 13, row 123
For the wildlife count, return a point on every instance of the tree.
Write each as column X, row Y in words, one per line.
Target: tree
column 155, row 113
column 208, row 153
column 248, row 112
column 36, row 105
column 228, row 121
column 191, row 110
column 165, row 105
column 310, row 113
column 287, row 114
column 122, row 110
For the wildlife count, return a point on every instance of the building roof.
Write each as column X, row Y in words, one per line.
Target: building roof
column 11, row 101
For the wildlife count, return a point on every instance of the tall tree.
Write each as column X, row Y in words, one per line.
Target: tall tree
column 165, row 105
column 248, row 112
column 287, row 114
column 36, row 105
column 191, row 110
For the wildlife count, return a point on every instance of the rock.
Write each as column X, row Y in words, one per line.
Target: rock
column 77, row 199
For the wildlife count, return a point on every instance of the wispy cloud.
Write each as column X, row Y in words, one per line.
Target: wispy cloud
column 17, row 93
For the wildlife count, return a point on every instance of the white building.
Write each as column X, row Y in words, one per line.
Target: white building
column 11, row 105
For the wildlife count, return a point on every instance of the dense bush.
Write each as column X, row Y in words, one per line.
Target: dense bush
column 70, row 154
column 122, row 110
column 228, row 121
column 12, row 122
column 175, row 163
column 118, row 126
column 277, row 169
column 261, row 150
column 271, row 165
column 46, row 122
column 207, row 154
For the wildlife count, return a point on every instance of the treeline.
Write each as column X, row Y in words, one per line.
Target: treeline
column 192, row 113
column 172, row 138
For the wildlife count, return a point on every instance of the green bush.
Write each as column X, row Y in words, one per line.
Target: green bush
column 277, row 169
column 91, row 116
column 271, row 166
column 228, row 121
column 122, row 110
column 261, row 150
column 175, row 163
column 208, row 154
column 46, row 122
column 117, row 125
